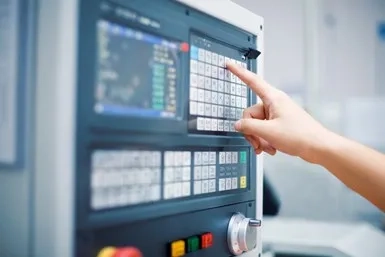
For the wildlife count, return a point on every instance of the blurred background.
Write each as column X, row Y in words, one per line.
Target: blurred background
column 330, row 56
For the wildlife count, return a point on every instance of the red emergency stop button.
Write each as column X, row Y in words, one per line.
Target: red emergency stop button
column 127, row 252
column 184, row 47
column 206, row 240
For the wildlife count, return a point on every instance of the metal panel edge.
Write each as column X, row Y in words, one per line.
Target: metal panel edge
column 229, row 12
column 55, row 128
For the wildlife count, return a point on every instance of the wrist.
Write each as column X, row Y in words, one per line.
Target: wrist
column 322, row 147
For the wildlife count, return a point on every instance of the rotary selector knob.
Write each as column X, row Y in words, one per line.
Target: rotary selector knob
column 242, row 234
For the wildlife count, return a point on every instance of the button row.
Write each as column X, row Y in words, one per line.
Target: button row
column 204, row 186
column 124, row 196
column 207, row 96
column 177, row 174
column 102, row 178
column 179, row 248
column 177, row 158
column 213, row 110
column 205, row 158
column 202, row 82
column 228, row 183
column 207, row 124
column 122, row 158
column 212, row 71
column 212, row 57
column 205, row 172
column 228, row 158
column 176, row 190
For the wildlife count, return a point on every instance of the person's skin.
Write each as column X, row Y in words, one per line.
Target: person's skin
column 277, row 123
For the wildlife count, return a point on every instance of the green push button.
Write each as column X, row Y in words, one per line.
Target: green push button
column 192, row 244
column 243, row 157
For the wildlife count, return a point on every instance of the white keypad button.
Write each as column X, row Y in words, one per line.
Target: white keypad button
column 205, row 158
column 233, row 78
column 214, row 59
column 239, row 114
column 227, row 75
column 186, row 158
column 220, row 125
column 207, row 96
column 228, row 158
column 214, row 125
column 201, row 95
column 200, row 124
column 197, row 173
column 244, row 91
column 228, row 183
column 234, row 157
column 226, row 126
column 234, row 183
column 214, row 97
column 208, row 83
column 197, row 187
column 232, row 100
column 220, row 111
column 207, row 70
column 178, row 190
column 238, row 80
column 212, row 172
column 168, row 191
column 222, row 184
column 221, row 86
column 201, row 109
column 244, row 102
column 208, row 110
column 220, row 98
column 232, row 89
column 214, row 85
column 212, row 186
column 205, row 172
column 201, row 55
column 232, row 113
column 178, row 174
column 227, row 59
column 222, row 158
column 238, row 90
column 208, row 56
column 205, row 186
column 221, row 61
column 193, row 66
column 214, row 72
column 169, row 158
column 201, row 68
column 214, row 110
column 193, row 108
column 227, row 87
column 193, row 80
column 193, row 93
column 186, row 174
column 207, row 124
column 197, row 158
column 186, row 189
column 212, row 158
column 226, row 112
column 201, row 81
column 227, row 99
column 221, row 73
column 238, row 102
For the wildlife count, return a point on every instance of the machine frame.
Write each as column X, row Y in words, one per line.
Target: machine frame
column 53, row 218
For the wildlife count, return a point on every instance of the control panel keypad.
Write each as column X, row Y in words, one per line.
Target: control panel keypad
column 128, row 177
column 217, row 97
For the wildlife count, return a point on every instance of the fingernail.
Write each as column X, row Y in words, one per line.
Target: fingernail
column 238, row 125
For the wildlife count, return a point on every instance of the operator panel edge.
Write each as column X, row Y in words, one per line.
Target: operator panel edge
column 158, row 159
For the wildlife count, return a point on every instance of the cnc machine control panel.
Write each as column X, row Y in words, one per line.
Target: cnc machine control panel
column 159, row 166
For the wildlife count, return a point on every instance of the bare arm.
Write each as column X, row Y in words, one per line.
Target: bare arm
column 277, row 123
column 357, row 166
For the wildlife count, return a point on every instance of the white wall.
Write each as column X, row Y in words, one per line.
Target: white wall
column 345, row 66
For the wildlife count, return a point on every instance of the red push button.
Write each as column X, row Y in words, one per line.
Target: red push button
column 207, row 240
column 127, row 252
column 184, row 47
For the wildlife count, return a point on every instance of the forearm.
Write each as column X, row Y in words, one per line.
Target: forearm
column 360, row 168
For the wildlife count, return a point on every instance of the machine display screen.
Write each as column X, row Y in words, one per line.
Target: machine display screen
column 136, row 73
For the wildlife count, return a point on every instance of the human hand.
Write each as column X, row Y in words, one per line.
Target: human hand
column 277, row 123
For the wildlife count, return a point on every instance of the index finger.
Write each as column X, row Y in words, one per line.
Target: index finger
column 255, row 82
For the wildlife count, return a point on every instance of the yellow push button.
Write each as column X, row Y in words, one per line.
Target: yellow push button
column 107, row 252
column 178, row 248
column 243, row 182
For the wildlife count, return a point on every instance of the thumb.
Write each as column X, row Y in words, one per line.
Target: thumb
column 256, row 127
